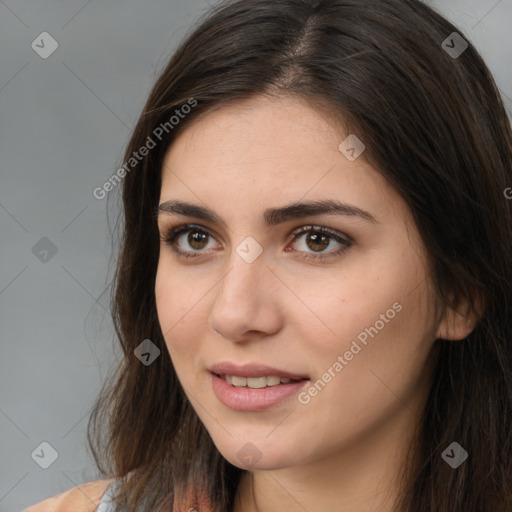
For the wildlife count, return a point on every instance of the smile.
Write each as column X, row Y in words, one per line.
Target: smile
column 255, row 382
column 254, row 393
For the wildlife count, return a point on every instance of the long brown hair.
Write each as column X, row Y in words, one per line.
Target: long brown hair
column 434, row 125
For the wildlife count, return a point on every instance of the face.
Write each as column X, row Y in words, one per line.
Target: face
column 339, row 299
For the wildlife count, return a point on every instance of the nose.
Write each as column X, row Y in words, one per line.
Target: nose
column 246, row 301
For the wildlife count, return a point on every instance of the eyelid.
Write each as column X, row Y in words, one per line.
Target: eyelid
column 169, row 236
column 340, row 237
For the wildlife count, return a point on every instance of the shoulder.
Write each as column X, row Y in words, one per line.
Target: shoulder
column 82, row 498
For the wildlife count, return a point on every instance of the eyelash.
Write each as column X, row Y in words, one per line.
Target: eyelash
column 169, row 237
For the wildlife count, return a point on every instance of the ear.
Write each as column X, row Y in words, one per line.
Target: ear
column 458, row 322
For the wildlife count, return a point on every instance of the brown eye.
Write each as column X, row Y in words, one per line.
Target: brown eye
column 317, row 242
column 196, row 239
column 188, row 241
column 317, row 239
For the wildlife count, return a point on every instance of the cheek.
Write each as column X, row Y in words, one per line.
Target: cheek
column 373, row 379
column 377, row 320
column 179, row 311
column 339, row 307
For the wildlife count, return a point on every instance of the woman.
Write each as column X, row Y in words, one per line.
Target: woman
column 313, row 294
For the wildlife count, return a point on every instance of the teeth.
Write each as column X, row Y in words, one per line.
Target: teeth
column 273, row 380
column 238, row 381
column 255, row 382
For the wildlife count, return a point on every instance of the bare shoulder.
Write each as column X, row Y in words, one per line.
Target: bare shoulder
column 82, row 498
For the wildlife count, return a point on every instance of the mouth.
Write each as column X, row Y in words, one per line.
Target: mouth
column 261, row 382
column 254, row 375
column 254, row 387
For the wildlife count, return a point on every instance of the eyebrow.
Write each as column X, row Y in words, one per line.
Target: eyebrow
column 271, row 216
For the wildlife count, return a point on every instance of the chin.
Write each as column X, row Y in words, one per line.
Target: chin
column 264, row 464
column 257, row 453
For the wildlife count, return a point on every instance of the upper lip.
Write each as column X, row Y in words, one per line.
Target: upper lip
column 253, row 370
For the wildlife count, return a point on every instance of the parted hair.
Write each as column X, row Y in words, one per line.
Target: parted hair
column 435, row 127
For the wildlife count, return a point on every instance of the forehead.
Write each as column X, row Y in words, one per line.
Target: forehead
column 269, row 150
column 268, row 135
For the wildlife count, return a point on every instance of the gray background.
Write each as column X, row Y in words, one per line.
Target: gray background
column 64, row 122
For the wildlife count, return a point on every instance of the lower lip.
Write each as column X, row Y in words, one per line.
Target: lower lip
column 248, row 399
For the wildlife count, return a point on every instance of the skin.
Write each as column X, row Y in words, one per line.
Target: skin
column 344, row 450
